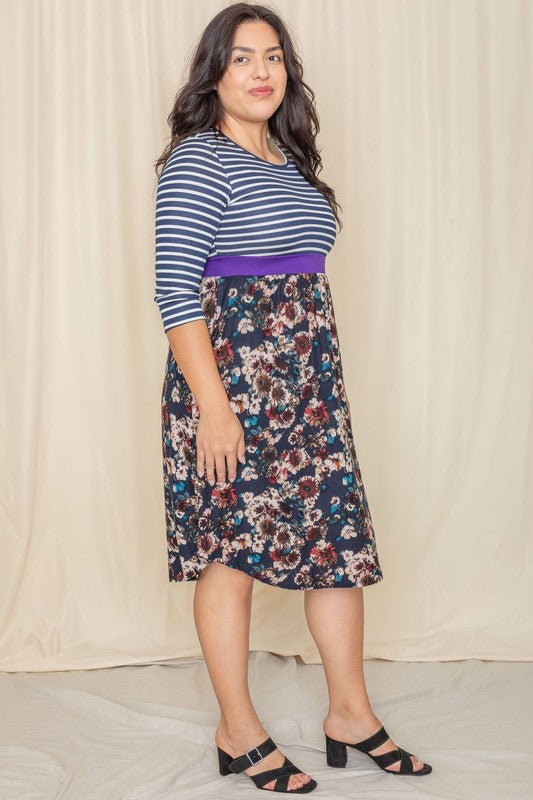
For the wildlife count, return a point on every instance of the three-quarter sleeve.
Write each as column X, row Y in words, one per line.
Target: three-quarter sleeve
column 193, row 191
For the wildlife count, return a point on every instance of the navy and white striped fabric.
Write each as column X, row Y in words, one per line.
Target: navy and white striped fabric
column 214, row 197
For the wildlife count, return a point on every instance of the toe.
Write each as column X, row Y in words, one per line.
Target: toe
column 298, row 780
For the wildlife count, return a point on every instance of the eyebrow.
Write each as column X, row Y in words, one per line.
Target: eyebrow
column 251, row 49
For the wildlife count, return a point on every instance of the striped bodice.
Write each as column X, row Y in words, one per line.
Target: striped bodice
column 216, row 198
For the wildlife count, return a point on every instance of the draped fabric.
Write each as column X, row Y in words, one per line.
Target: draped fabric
column 426, row 130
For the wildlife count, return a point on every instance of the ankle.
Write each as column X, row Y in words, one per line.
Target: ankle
column 349, row 710
column 239, row 729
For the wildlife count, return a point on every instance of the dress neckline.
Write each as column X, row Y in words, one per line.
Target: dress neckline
column 263, row 160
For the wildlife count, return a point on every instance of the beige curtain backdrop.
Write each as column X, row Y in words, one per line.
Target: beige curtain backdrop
column 426, row 135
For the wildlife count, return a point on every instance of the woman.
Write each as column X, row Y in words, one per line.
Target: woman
column 253, row 394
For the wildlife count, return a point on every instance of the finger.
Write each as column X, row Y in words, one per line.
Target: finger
column 241, row 450
column 200, row 461
column 210, row 468
column 231, row 461
column 221, row 468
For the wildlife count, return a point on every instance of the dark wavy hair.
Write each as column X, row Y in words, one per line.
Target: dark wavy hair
column 197, row 107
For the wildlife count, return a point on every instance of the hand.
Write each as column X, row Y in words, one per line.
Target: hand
column 219, row 441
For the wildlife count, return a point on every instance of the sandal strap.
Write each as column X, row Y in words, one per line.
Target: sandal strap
column 252, row 756
column 377, row 738
column 280, row 774
column 388, row 758
column 399, row 754
column 406, row 765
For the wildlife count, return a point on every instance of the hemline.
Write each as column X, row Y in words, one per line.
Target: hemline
column 336, row 585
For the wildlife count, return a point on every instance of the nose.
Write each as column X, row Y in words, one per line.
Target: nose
column 260, row 70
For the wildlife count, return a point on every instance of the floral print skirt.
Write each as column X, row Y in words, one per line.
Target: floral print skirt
column 296, row 516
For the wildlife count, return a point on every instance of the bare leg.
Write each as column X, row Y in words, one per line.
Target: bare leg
column 336, row 621
column 222, row 606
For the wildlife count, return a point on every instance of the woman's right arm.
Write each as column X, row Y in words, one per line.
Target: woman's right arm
column 193, row 192
column 219, row 434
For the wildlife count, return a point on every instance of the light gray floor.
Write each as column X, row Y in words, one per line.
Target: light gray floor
column 147, row 732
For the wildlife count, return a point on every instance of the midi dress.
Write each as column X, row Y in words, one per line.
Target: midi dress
column 296, row 516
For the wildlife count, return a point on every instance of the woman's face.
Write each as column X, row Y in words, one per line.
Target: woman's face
column 256, row 60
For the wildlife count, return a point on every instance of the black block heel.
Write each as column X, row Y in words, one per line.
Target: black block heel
column 223, row 762
column 228, row 764
column 336, row 754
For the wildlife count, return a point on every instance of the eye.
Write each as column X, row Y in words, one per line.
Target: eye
column 274, row 55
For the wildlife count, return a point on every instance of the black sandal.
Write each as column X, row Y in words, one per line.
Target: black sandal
column 336, row 754
column 228, row 764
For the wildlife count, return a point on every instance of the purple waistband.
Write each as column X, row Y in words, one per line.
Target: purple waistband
column 264, row 265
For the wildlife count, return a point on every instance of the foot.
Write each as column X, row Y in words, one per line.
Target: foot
column 352, row 727
column 239, row 742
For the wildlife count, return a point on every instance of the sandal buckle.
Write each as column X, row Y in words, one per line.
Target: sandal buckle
column 254, row 759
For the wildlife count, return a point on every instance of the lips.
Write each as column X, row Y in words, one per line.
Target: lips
column 261, row 92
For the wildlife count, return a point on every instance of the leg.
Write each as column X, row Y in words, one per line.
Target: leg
column 336, row 621
column 222, row 606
